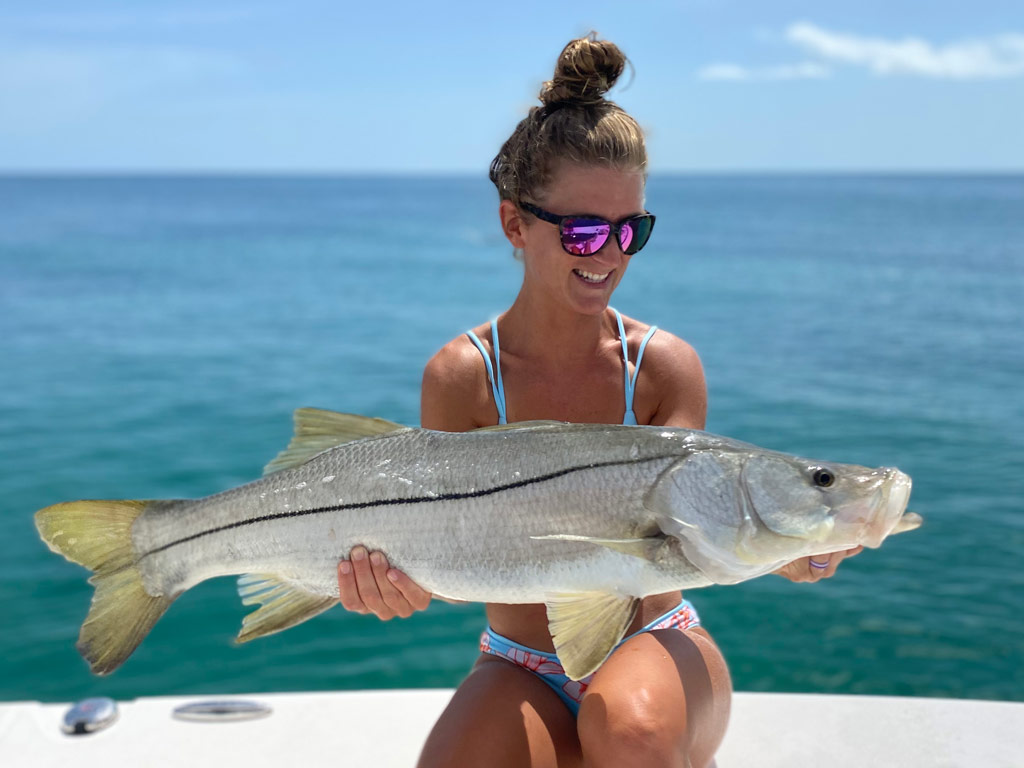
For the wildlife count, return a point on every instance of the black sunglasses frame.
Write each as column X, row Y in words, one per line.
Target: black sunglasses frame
column 614, row 227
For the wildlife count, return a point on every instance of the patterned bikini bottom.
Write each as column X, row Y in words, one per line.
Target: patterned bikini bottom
column 547, row 667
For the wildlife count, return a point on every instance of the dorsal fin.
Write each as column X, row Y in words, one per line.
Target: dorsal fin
column 317, row 430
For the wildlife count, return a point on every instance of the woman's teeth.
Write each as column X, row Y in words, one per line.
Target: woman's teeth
column 592, row 277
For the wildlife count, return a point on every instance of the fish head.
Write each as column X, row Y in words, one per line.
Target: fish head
column 740, row 513
column 828, row 506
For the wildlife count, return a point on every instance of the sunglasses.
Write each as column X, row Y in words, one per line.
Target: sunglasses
column 584, row 235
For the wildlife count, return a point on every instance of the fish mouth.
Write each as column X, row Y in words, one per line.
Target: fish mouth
column 895, row 492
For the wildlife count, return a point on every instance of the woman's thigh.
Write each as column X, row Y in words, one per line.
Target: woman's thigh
column 503, row 715
column 665, row 693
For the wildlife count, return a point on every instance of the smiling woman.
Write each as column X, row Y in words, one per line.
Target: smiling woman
column 571, row 182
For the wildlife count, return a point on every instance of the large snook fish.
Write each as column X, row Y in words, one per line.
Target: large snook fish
column 585, row 518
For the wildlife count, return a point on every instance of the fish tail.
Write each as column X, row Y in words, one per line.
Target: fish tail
column 97, row 534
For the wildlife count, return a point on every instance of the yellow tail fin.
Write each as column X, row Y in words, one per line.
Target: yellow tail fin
column 97, row 534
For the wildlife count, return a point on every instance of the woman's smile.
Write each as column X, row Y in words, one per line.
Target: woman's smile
column 597, row 279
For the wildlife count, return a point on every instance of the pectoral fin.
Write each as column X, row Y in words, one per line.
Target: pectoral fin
column 282, row 605
column 586, row 627
column 646, row 548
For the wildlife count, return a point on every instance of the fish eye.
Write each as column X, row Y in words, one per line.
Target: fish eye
column 823, row 478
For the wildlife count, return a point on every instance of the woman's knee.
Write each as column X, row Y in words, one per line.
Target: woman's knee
column 633, row 728
column 664, row 695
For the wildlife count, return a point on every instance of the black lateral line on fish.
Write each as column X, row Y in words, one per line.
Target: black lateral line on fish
column 410, row 500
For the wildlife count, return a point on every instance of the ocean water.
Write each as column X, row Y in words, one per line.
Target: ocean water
column 156, row 333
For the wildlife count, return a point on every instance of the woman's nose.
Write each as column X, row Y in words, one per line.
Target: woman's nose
column 611, row 254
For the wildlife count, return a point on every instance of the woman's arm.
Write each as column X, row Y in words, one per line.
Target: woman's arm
column 672, row 380
column 454, row 388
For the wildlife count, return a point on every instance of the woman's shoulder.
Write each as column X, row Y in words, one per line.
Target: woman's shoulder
column 460, row 362
column 671, row 380
column 455, row 387
column 664, row 349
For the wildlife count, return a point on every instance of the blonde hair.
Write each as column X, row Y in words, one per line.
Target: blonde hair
column 576, row 124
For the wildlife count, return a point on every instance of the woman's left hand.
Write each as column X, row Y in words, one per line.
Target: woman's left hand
column 805, row 569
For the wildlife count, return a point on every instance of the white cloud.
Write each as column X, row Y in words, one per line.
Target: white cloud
column 999, row 56
column 723, row 72
column 983, row 58
column 807, row 70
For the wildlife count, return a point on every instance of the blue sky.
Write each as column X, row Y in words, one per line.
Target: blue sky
column 335, row 86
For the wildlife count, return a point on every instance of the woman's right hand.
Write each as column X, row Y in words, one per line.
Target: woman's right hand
column 367, row 584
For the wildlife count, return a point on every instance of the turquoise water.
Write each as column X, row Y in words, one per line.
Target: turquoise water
column 156, row 333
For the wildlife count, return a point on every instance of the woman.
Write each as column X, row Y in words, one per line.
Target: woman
column 571, row 181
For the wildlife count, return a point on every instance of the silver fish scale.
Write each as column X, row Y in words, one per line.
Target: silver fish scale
column 454, row 511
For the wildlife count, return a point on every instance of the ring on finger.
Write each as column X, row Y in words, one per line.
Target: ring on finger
column 819, row 566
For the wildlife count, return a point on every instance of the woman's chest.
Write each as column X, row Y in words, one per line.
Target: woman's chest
column 593, row 393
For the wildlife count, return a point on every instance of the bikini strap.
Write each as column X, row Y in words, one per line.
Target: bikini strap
column 497, row 388
column 630, row 382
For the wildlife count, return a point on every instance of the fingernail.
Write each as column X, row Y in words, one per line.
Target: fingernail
column 392, row 575
column 377, row 558
column 358, row 553
column 345, row 567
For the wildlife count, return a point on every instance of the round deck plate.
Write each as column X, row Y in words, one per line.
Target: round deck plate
column 89, row 716
column 221, row 711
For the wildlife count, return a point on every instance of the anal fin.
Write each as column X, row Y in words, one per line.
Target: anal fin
column 282, row 605
column 586, row 626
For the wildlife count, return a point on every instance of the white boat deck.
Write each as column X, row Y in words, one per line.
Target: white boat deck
column 359, row 728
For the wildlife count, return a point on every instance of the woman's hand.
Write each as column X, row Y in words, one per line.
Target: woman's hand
column 368, row 585
column 816, row 567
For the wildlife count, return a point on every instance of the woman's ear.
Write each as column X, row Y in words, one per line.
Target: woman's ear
column 512, row 223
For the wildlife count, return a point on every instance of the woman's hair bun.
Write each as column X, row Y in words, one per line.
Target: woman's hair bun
column 586, row 69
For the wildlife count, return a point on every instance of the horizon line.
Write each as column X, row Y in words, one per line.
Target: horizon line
column 412, row 173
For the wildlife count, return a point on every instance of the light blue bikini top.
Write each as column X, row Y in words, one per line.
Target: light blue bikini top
column 499, row 389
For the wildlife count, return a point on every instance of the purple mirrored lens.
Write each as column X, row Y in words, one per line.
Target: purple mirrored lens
column 634, row 233
column 626, row 235
column 582, row 237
